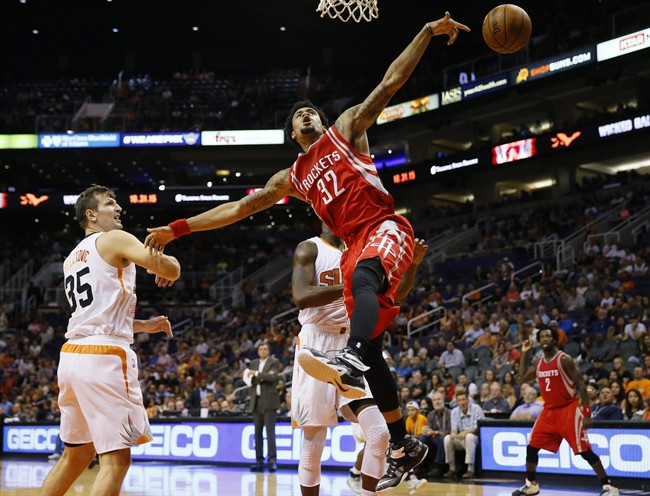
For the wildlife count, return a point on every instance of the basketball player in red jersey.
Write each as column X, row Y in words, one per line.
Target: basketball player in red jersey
column 336, row 176
column 566, row 413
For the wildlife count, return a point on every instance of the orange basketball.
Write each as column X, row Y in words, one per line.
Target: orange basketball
column 507, row 28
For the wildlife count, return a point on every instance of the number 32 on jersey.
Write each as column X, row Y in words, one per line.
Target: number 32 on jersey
column 332, row 188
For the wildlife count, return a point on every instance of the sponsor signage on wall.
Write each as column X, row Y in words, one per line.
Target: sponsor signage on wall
column 81, row 140
column 244, row 137
column 553, row 65
column 161, row 139
column 407, row 109
column 213, row 442
column 623, row 45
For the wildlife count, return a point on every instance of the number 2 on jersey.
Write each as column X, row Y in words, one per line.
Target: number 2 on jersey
column 74, row 287
column 331, row 178
column 548, row 383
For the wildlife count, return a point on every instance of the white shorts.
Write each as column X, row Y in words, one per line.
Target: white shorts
column 315, row 403
column 100, row 396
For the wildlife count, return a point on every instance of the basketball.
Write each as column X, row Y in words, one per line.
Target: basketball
column 507, row 28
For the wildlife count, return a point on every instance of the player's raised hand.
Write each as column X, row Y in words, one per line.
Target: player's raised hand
column 526, row 346
column 157, row 238
column 420, row 249
column 447, row 26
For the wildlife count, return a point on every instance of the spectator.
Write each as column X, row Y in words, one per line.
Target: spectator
column 470, row 387
column 598, row 372
column 603, row 349
column 633, row 408
column 452, row 357
column 640, row 383
column 501, row 357
column 531, row 408
column 463, row 435
column 484, row 394
column 635, row 330
column 433, row 435
column 510, row 396
column 606, row 408
column 618, row 392
column 497, row 403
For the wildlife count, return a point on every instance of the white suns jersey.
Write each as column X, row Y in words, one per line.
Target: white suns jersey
column 102, row 297
column 328, row 273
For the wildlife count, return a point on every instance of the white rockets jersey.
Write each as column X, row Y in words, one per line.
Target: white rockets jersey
column 102, row 297
column 328, row 273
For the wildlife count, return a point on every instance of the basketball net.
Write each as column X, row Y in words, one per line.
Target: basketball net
column 345, row 10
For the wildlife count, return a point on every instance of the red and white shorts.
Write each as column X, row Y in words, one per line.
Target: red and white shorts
column 392, row 242
column 555, row 424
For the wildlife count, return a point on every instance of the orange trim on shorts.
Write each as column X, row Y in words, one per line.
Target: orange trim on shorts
column 99, row 349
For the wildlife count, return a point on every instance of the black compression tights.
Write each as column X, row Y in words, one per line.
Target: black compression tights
column 367, row 282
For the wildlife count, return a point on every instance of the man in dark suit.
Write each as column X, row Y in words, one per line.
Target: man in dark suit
column 264, row 401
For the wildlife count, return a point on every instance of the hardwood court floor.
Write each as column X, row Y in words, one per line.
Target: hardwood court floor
column 24, row 478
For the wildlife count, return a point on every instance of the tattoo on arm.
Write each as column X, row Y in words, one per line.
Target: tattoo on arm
column 276, row 187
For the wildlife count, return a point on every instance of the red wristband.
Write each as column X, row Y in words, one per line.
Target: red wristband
column 586, row 410
column 179, row 228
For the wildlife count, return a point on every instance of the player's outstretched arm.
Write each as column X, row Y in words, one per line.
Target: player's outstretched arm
column 356, row 120
column 228, row 213
column 119, row 248
column 420, row 249
column 157, row 324
column 304, row 289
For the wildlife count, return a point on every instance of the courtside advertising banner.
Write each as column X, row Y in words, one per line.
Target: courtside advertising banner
column 210, row 442
column 244, row 137
column 623, row 452
column 623, row 45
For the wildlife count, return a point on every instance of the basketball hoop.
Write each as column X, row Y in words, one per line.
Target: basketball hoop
column 345, row 10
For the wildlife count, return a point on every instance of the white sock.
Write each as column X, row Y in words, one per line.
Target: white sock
column 355, row 471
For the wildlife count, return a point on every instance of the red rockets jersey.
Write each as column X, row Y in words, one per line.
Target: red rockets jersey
column 342, row 186
column 556, row 386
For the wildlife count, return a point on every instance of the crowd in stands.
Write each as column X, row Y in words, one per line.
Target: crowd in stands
column 600, row 307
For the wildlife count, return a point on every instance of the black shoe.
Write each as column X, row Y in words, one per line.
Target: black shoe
column 403, row 457
column 258, row 467
column 344, row 371
column 273, row 467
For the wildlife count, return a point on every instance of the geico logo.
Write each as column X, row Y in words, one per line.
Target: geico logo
column 179, row 481
column 23, row 474
column 622, row 452
column 340, row 445
column 32, row 439
column 200, row 441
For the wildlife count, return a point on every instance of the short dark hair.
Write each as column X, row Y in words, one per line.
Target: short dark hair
column 288, row 125
column 554, row 333
column 88, row 200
